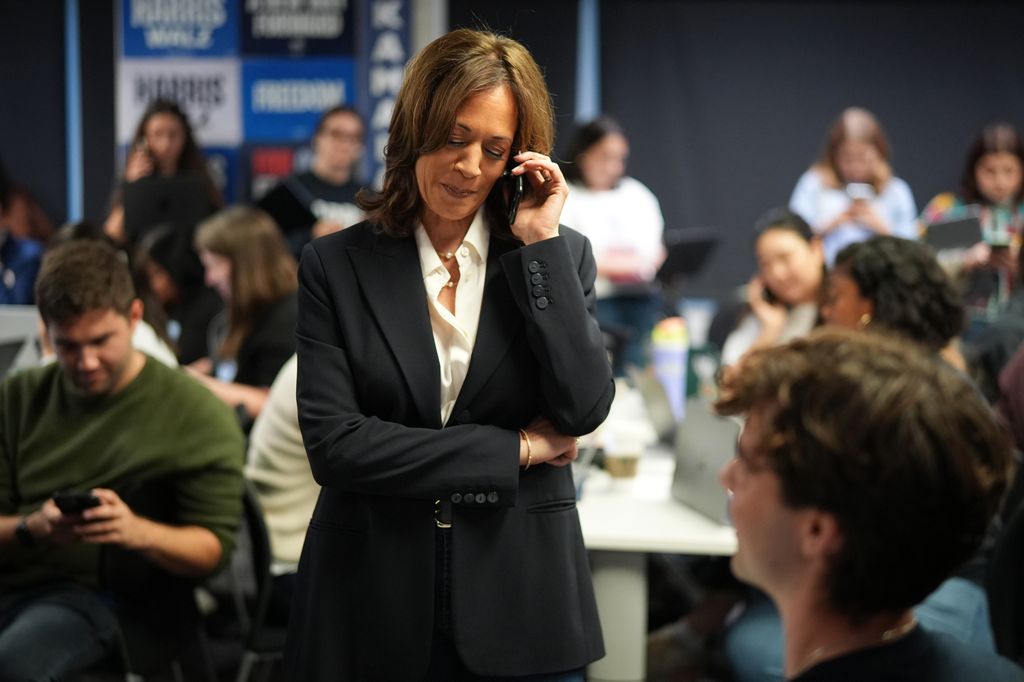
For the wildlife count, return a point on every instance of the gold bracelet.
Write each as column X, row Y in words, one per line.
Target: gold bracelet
column 529, row 449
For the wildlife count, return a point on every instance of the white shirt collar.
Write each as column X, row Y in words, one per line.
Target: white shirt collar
column 477, row 243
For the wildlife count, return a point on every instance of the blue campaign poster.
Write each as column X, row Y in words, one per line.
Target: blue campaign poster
column 223, row 164
column 282, row 99
column 297, row 28
column 179, row 27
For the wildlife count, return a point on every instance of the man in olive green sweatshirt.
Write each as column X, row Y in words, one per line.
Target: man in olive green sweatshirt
column 105, row 419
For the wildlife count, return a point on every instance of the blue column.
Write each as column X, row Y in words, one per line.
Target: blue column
column 588, row 61
column 73, row 109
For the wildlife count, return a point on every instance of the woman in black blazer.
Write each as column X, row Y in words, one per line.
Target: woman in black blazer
column 448, row 358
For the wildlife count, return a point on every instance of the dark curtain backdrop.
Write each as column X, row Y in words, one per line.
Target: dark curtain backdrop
column 727, row 103
column 32, row 124
column 548, row 29
column 32, row 100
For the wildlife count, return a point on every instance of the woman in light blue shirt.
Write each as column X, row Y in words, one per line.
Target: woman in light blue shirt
column 850, row 194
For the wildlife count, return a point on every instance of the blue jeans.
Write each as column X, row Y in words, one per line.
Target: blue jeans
column 753, row 643
column 633, row 317
column 48, row 633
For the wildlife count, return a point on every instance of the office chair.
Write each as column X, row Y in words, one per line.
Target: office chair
column 159, row 621
column 264, row 644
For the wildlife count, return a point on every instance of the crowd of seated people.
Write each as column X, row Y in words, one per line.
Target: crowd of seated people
column 220, row 299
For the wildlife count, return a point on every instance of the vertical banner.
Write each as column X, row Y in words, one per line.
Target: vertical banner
column 383, row 49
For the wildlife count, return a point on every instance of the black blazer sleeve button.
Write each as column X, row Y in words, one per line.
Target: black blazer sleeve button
column 534, row 266
column 468, row 498
column 492, row 497
column 536, row 278
column 456, row 498
column 542, row 302
column 539, row 290
column 481, row 498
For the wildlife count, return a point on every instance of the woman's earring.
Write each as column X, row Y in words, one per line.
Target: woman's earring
column 864, row 320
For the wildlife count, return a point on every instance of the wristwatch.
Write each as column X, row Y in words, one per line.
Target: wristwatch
column 23, row 534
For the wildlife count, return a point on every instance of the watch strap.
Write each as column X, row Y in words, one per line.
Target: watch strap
column 24, row 534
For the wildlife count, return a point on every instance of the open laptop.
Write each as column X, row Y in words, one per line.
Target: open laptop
column 687, row 251
column 181, row 201
column 19, row 337
column 705, row 442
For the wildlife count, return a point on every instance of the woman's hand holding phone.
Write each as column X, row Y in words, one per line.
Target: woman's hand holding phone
column 541, row 205
column 766, row 308
column 140, row 163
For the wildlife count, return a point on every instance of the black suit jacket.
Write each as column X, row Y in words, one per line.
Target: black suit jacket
column 369, row 408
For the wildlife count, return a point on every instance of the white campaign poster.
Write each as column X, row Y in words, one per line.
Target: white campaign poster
column 208, row 90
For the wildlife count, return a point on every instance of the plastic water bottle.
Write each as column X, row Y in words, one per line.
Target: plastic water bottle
column 670, row 345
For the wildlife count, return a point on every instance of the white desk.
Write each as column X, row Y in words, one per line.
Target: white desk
column 622, row 521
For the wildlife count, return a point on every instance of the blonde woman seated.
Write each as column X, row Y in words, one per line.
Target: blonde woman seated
column 247, row 262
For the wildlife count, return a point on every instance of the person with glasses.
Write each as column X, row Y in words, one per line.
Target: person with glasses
column 321, row 200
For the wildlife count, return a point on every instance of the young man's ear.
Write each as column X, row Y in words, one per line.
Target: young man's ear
column 135, row 313
column 820, row 535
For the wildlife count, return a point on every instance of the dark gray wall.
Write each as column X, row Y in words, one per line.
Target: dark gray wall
column 547, row 28
column 32, row 123
column 727, row 103
column 32, row 100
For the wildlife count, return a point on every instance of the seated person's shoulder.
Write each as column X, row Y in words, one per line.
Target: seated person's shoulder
column 951, row 660
column 30, row 383
column 965, row 662
column 190, row 399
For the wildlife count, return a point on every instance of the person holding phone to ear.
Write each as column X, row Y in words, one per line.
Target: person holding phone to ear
column 788, row 289
column 448, row 359
column 164, row 145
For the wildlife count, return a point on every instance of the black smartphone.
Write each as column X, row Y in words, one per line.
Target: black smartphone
column 74, row 501
column 769, row 296
column 515, row 194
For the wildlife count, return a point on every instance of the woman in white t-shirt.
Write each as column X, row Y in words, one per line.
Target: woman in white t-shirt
column 622, row 219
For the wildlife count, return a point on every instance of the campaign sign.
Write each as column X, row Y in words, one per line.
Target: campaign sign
column 179, row 27
column 267, row 165
column 383, row 52
column 298, row 27
column 222, row 163
column 206, row 89
column 282, row 99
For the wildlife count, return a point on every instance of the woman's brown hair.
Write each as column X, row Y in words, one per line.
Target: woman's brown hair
column 438, row 80
column 854, row 125
column 262, row 269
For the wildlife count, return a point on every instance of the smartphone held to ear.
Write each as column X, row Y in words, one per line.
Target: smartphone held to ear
column 769, row 296
column 515, row 194
column 75, row 501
